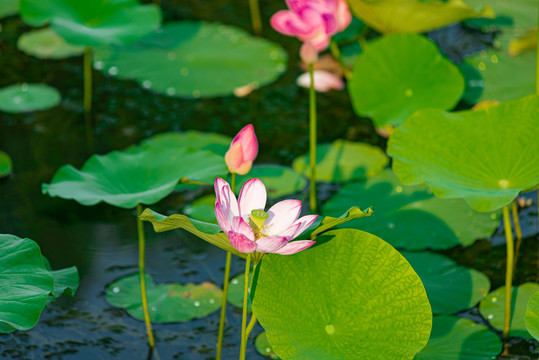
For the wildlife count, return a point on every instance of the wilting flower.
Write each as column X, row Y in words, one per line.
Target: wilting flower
column 251, row 229
column 242, row 152
column 313, row 20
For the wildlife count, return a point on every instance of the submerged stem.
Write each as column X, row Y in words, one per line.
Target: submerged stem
column 312, row 140
column 244, row 313
column 143, row 296
column 256, row 20
column 508, row 271
column 518, row 231
column 87, row 79
column 336, row 52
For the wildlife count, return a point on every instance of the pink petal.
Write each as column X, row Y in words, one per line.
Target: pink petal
column 308, row 53
column 344, row 18
column 226, row 199
column 249, row 143
column 221, row 219
column 282, row 215
column 239, row 226
column 304, row 222
column 234, row 157
column 270, row 244
column 252, row 196
column 323, row 81
column 290, row 231
column 296, row 5
column 241, row 243
column 289, row 23
column 294, row 247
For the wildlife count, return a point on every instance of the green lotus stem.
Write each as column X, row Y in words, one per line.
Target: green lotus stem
column 87, row 79
column 252, row 323
column 508, row 271
column 518, row 231
column 256, row 20
column 222, row 319
column 244, row 314
column 336, row 52
column 312, row 140
column 142, row 276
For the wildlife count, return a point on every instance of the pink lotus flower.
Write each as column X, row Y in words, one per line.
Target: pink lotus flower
column 313, row 20
column 250, row 229
column 323, row 81
column 242, row 152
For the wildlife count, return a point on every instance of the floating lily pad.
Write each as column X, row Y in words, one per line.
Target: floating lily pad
column 455, row 338
column 400, row 74
column 213, row 142
column 8, row 7
column 21, row 98
column 413, row 16
column 450, row 287
column 195, row 59
column 504, row 77
column 24, row 281
column 411, row 217
column 5, row 164
column 46, row 44
column 493, row 308
column 263, row 346
column 343, row 161
column 485, row 156
column 93, row 23
column 532, row 316
column 279, row 180
column 351, row 296
column 168, row 303
column 235, row 291
column 138, row 176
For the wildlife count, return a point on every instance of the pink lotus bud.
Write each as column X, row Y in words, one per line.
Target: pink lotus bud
column 242, row 152
column 308, row 53
column 323, row 81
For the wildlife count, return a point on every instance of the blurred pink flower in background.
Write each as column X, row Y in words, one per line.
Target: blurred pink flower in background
column 324, row 81
column 313, row 20
column 242, row 152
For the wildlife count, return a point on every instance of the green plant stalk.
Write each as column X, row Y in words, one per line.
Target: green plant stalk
column 256, row 20
column 87, row 79
column 143, row 295
column 537, row 92
column 508, row 271
column 312, row 140
column 518, row 231
column 244, row 312
column 336, row 52
column 251, row 325
column 225, row 288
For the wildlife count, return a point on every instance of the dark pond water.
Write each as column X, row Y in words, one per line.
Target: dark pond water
column 101, row 240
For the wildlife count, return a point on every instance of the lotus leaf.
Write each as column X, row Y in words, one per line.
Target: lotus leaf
column 413, row 16
column 66, row 281
column 532, row 316
column 24, row 281
column 21, row 98
column 343, row 161
column 263, row 346
column 279, row 180
column 411, row 217
column 8, row 7
column 235, row 291
column 213, row 142
column 521, row 13
column 400, row 74
column 195, row 59
column 168, row 303
column 46, row 44
column 454, row 338
column 5, row 164
column 485, row 156
column 138, row 176
column 351, row 296
column 93, row 22
column 450, row 287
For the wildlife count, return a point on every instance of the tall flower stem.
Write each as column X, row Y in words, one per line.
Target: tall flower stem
column 518, row 231
column 244, row 314
column 251, row 325
column 142, row 276
column 87, row 101
column 312, row 140
column 256, row 20
column 336, row 52
column 225, row 289
column 508, row 270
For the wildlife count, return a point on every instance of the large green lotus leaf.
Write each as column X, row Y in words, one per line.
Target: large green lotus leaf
column 213, row 142
column 411, row 217
column 343, row 161
column 450, row 287
column 8, row 7
column 400, row 74
column 279, row 180
column 455, row 338
column 235, row 291
column 325, row 223
column 46, row 44
column 138, row 176
column 195, row 59
column 504, row 77
column 168, row 303
column 263, row 346
column 19, row 98
column 532, row 316
column 93, row 22
column 24, row 281
column 493, row 308
column 66, row 281
column 5, row 164
column 485, row 156
column 413, row 16
column 352, row 296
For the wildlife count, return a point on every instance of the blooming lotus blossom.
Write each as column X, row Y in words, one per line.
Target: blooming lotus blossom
column 242, row 152
column 323, row 81
column 250, row 229
column 313, row 20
